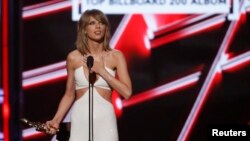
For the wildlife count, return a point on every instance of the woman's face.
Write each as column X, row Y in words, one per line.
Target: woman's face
column 95, row 30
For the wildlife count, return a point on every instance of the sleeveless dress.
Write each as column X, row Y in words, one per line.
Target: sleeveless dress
column 104, row 119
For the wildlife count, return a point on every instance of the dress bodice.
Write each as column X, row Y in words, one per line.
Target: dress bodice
column 82, row 82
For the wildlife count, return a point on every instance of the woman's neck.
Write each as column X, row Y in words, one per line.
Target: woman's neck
column 95, row 48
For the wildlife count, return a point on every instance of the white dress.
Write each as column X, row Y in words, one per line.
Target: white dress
column 104, row 119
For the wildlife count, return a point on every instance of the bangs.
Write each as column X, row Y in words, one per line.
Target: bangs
column 100, row 17
column 96, row 14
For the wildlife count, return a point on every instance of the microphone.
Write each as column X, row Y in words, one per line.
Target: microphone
column 90, row 61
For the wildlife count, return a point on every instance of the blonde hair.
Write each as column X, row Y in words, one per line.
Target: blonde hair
column 81, row 41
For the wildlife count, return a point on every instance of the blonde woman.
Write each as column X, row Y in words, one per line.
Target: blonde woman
column 111, row 73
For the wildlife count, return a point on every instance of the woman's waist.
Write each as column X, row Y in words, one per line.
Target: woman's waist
column 104, row 93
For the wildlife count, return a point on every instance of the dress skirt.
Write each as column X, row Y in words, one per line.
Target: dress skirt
column 104, row 119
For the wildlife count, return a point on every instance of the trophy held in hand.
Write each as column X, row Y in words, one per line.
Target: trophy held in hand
column 41, row 127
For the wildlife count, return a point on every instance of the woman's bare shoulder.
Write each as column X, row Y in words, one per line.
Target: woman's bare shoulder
column 115, row 53
column 73, row 55
column 74, row 58
column 116, row 57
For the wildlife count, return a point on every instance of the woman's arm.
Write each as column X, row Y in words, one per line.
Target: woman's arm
column 122, row 84
column 68, row 97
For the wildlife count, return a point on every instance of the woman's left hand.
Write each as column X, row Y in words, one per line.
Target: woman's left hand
column 98, row 64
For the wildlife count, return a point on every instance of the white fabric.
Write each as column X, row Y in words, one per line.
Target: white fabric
column 104, row 119
column 105, row 126
column 82, row 82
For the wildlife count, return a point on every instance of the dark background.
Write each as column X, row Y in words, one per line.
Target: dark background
column 47, row 39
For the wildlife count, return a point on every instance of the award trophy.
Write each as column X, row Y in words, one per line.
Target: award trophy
column 41, row 127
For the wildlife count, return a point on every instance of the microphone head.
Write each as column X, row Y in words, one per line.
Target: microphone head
column 90, row 61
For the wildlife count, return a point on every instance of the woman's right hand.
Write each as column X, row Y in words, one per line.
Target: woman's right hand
column 52, row 127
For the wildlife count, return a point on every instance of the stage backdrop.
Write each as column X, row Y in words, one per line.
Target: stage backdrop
column 188, row 61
